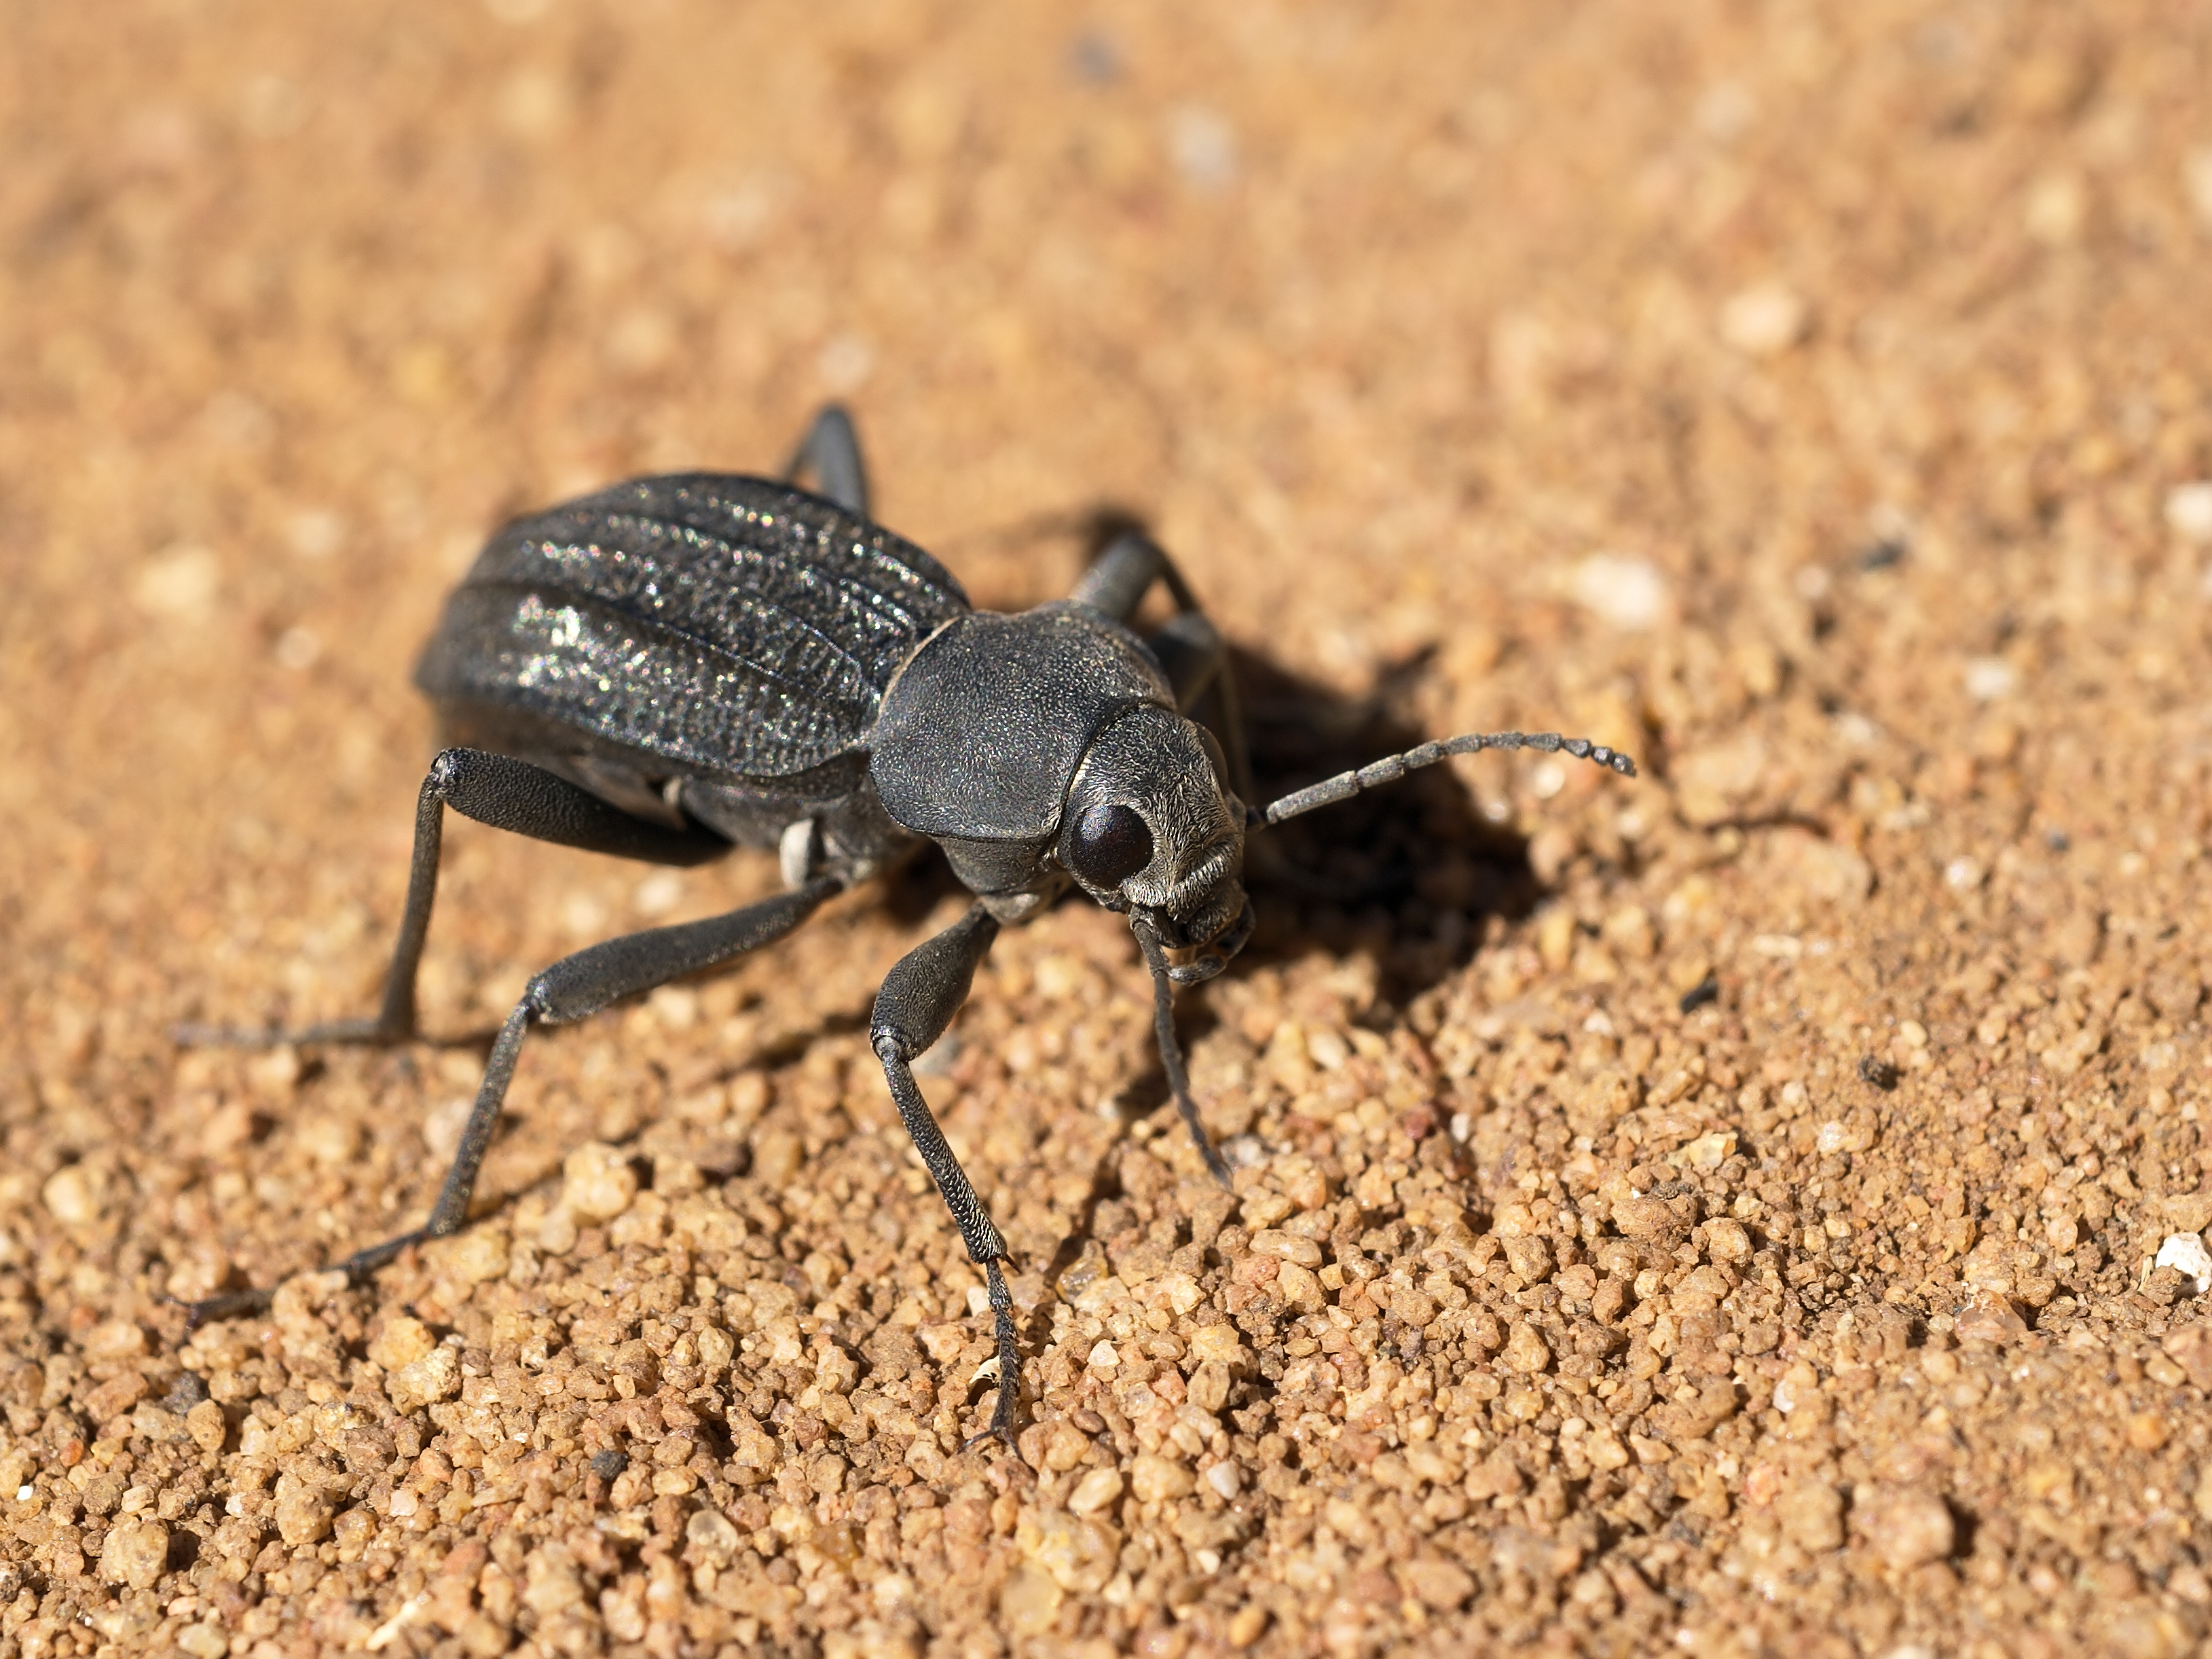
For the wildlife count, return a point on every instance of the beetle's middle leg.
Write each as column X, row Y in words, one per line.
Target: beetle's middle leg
column 573, row 988
column 919, row 999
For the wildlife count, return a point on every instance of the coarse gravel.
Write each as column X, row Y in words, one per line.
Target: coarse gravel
column 1720, row 1212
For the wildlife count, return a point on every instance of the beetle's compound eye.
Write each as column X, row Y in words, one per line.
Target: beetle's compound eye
column 1109, row 845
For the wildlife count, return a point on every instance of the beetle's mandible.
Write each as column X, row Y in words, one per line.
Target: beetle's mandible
column 678, row 664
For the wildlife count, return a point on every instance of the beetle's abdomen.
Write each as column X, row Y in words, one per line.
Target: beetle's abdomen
column 619, row 679
column 728, row 627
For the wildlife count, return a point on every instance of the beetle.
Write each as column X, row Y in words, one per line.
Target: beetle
column 682, row 663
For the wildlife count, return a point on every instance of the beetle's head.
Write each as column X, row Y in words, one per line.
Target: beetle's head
column 1153, row 828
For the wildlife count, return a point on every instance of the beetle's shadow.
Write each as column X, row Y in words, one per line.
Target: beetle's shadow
column 1408, row 873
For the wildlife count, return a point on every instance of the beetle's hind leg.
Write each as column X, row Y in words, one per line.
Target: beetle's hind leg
column 507, row 794
column 573, row 988
column 831, row 452
column 919, row 997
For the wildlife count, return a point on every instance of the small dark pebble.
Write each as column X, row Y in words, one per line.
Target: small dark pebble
column 1883, row 554
column 609, row 1463
column 186, row 1392
column 1095, row 60
column 1878, row 1072
column 1706, row 990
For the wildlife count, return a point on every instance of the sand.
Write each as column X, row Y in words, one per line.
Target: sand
column 1714, row 1213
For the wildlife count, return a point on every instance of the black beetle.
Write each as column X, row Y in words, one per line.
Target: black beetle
column 680, row 663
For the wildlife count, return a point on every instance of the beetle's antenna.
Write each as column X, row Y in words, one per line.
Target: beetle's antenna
column 1345, row 785
column 1171, row 1052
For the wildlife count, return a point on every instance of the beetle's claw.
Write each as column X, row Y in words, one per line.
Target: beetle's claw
column 225, row 1304
column 998, row 1431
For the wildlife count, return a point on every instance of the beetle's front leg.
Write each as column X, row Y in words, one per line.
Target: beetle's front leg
column 919, row 999
column 507, row 794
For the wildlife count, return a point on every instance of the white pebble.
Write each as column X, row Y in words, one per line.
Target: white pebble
column 1988, row 678
column 583, row 915
column 442, row 1125
column 2185, row 1253
column 2056, row 206
column 181, row 583
column 556, row 1234
column 1764, row 320
column 1724, row 110
column 845, row 363
column 315, row 533
column 1327, row 1050
column 1962, row 873
column 657, row 894
column 1854, row 731
column 328, row 1139
column 1095, row 1492
column 597, row 1183
column 2189, row 512
column 72, row 1196
column 298, row 648
column 1204, row 146
column 1907, row 1527
column 1628, row 592
column 2197, row 181
column 676, row 1006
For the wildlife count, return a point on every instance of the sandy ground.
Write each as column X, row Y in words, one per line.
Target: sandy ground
column 1714, row 1213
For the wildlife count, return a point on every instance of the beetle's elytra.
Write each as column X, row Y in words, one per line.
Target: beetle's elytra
column 678, row 664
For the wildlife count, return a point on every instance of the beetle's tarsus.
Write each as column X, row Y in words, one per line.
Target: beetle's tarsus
column 237, row 1304
column 225, row 1304
column 361, row 1263
column 1009, row 1363
column 1003, row 1432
